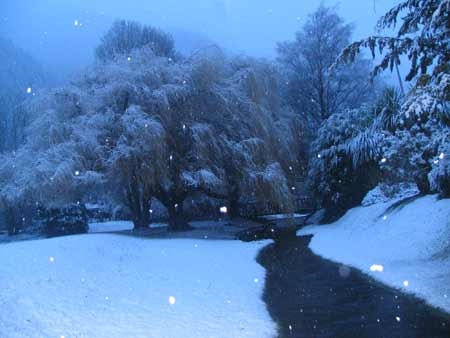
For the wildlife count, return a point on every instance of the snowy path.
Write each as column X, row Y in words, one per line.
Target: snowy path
column 108, row 285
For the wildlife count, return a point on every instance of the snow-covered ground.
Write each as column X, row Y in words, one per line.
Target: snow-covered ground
column 407, row 248
column 110, row 226
column 107, row 285
column 113, row 226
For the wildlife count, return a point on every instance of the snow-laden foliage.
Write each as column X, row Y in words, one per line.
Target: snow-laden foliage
column 313, row 88
column 393, row 143
column 420, row 138
column 439, row 175
column 423, row 35
column 125, row 36
column 383, row 193
column 141, row 126
column 387, row 107
column 409, row 136
column 345, row 155
column 270, row 190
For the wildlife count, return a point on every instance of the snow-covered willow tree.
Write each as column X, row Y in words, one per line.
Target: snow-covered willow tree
column 140, row 125
column 416, row 147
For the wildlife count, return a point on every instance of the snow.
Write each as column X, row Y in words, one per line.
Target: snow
column 383, row 193
column 110, row 226
column 113, row 226
column 107, row 285
column 407, row 247
column 282, row 216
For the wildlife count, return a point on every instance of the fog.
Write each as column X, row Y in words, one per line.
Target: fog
column 63, row 34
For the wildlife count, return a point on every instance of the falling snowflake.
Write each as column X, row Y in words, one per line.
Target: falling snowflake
column 76, row 23
column 397, row 319
column 172, row 300
column 29, row 90
column 377, row 268
column 223, row 210
column 405, row 283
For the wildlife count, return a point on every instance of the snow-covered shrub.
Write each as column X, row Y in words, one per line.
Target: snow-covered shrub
column 344, row 164
column 386, row 192
column 387, row 107
column 440, row 174
column 421, row 136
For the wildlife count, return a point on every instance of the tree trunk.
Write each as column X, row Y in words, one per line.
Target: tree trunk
column 141, row 220
column 11, row 219
column 138, row 199
column 177, row 220
column 423, row 184
column 233, row 201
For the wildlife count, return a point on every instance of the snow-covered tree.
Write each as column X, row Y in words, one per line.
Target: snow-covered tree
column 313, row 88
column 137, row 161
column 141, row 126
column 423, row 36
column 414, row 146
column 124, row 36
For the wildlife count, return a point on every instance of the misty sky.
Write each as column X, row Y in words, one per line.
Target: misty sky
column 46, row 28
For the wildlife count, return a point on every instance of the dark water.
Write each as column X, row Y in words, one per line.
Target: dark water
column 311, row 297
